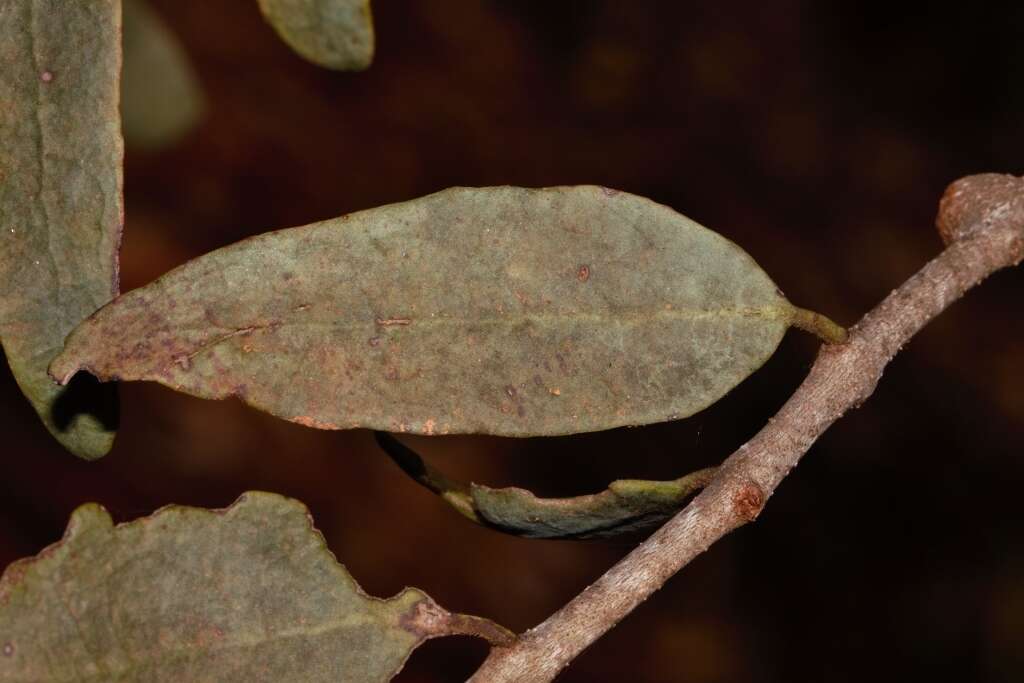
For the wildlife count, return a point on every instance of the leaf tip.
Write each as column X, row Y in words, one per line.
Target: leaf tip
column 86, row 517
column 89, row 447
column 62, row 369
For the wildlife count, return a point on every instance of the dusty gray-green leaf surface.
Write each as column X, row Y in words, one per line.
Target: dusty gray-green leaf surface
column 627, row 506
column 337, row 34
column 161, row 99
column 249, row 593
column 60, row 199
column 495, row 310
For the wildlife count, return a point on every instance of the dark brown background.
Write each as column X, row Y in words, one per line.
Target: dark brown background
column 819, row 136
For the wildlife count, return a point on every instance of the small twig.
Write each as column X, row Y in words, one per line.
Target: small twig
column 981, row 219
column 818, row 324
column 455, row 493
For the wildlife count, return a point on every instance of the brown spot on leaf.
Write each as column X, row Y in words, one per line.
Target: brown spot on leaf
column 46, row 76
column 426, row 619
column 307, row 421
column 374, row 341
column 562, row 364
column 8, row 649
column 388, row 322
column 583, row 273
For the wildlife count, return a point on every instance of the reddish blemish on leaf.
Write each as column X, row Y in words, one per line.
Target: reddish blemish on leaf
column 310, row 422
column 389, row 322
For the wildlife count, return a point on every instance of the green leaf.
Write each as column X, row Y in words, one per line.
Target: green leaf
column 337, row 34
column 161, row 98
column 249, row 593
column 627, row 506
column 60, row 199
column 497, row 310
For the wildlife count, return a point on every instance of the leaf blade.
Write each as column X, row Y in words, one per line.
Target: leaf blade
column 246, row 593
column 495, row 310
column 626, row 507
column 60, row 199
column 336, row 34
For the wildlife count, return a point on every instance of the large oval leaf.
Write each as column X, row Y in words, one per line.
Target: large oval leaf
column 249, row 593
column 337, row 34
column 60, row 198
column 502, row 310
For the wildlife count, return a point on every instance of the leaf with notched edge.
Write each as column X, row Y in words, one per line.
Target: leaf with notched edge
column 60, row 199
column 495, row 310
column 249, row 593
column 337, row 34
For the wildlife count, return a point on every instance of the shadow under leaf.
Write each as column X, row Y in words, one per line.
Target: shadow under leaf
column 85, row 396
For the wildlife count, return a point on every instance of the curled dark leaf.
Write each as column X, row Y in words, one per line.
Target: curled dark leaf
column 627, row 506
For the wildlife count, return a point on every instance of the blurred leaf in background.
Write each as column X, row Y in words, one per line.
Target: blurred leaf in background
column 337, row 34
column 161, row 98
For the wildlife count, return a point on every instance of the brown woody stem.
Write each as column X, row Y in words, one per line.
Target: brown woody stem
column 981, row 218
